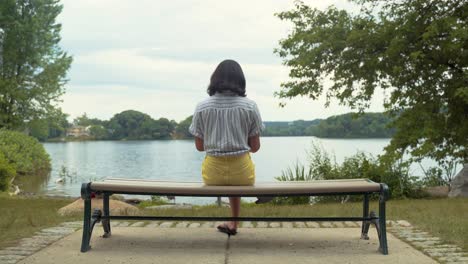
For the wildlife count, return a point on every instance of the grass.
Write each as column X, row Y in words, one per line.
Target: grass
column 22, row 217
column 445, row 218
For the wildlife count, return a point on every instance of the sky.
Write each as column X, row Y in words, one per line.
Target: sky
column 157, row 56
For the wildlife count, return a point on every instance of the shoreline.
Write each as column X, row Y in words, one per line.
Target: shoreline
column 65, row 140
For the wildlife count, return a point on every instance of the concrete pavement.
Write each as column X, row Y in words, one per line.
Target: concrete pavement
column 250, row 245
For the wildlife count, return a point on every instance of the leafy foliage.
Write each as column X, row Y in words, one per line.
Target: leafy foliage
column 53, row 125
column 132, row 124
column 7, row 172
column 32, row 65
column 25, row 153
column 351, row 125
column 440, row 176
column 297, row 173
column 182, row 129
column 98, row 132
column 414, row 50
column 85, row 121
column 294, row 128
column 323, row 166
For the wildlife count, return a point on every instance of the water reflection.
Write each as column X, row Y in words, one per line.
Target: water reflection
column 32, row 184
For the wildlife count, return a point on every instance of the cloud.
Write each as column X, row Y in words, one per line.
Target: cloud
column 157, row 56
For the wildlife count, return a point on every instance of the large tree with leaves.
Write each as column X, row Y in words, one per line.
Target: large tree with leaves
column 414, row 50
column 32, row 65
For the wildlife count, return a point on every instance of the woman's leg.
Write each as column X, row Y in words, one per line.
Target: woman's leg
column 235, row 209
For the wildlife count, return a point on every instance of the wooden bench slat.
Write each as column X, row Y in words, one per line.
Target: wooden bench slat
column 262, row 188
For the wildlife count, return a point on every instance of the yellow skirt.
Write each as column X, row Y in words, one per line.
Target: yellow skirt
column 228, row 170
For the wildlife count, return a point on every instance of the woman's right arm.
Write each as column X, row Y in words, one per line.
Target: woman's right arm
column 254, row 143
column 256, row 127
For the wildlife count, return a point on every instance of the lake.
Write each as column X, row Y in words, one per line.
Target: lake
column 176, row 160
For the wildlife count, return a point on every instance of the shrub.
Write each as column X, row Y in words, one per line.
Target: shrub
column 7, row 172
column 298, row 173
column 25, row 153
column 323, row 166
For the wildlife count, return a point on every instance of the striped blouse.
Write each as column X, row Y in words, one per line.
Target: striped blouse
column 225, row 121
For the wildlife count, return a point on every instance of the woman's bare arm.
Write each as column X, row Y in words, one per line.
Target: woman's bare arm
column 199, row 144
column 254, row 143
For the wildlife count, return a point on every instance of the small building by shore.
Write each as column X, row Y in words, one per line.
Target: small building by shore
column 78, row 131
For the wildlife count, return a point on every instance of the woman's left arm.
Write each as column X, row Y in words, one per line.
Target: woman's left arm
column 199, row 144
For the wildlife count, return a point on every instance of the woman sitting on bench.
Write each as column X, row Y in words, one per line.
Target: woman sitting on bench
column 227, row 126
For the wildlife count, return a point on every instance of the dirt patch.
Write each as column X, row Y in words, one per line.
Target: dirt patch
column 116, row 207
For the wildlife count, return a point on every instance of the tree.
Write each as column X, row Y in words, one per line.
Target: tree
column 98, row 132
column 39, row 129
column 85, row 121
column 352, row 125
column 163, row 128
column 33, row 67
column 182, row 129
column 415, row 50
column 132, row 124
column 58, row 123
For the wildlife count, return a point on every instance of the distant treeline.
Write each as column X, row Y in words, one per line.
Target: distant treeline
column 350, row 125
column 127, row 125
column 134, row 125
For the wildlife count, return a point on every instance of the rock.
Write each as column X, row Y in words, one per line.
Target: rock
column 459, row 185
column 15, row 190
column 116, row 207
column 117, row 197
column 170, row 206
column 133, row 201
column 437, row 191
column 60, row 180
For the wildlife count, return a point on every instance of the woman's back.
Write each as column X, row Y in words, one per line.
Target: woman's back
column 225, row 121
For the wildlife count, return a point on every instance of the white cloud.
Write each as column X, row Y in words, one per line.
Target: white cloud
column 157, row 56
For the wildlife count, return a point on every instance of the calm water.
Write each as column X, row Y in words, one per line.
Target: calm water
column 176, row 160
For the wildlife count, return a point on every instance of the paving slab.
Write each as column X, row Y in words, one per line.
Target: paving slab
column 206, row 245
column 317, row 245
column 138, row 245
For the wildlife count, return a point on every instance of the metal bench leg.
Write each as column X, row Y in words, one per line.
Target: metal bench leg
column 382, row 219
column 106, row 221
column 365, row 213
column 86, row 195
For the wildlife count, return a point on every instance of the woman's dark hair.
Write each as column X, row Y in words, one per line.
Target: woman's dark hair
column 228, row 76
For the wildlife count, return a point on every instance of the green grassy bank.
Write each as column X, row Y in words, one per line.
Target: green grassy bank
column 22, row 217
column 445, row 218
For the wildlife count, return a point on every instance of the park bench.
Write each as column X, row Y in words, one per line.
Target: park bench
column 108, row 187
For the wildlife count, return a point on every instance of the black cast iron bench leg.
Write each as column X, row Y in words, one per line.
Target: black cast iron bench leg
column 106, row 221
column 88, row 220
column 86, row 225
column 86, row 196
column 379, row 222
column 382, row 219
column 365, row 213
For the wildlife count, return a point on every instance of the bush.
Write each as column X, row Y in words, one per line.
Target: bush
column 25, row 153
column 298, row 173
column 323, row 166
column 7, row 172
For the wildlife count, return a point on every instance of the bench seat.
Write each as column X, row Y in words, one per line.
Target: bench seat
column 140, row 186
